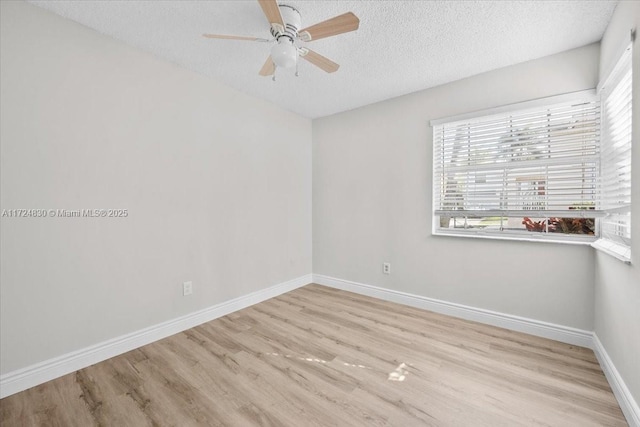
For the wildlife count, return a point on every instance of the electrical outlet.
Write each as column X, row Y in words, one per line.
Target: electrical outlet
column 386, row 267
column 187, row 288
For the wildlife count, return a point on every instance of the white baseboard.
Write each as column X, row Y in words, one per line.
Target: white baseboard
column 22, row 379
column 627, row 403
column 538, row 328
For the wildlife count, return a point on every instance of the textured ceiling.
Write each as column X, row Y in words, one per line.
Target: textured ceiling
column 400, row 47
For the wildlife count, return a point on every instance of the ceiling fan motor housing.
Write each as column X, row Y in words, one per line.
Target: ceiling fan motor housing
column 292, row 22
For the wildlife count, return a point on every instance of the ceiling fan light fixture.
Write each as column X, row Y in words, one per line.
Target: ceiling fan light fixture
column 284, row 54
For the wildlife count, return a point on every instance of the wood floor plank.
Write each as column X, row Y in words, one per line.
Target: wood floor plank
column 318, row 356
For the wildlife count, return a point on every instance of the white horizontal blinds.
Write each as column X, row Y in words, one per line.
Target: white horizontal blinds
column 537, row 162
column 616, row 153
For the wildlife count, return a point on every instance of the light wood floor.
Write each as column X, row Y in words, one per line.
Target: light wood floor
column 319, row 356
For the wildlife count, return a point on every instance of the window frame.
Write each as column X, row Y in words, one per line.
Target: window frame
column 620, row 247
column 502, row 234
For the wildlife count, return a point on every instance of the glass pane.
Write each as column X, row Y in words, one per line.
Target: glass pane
column 524, row 225
column 473, row 223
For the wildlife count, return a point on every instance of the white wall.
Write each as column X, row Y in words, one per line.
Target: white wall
column 217, row 184
column 372, row 202
column 617, row 286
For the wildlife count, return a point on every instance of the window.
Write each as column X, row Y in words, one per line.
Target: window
column 527, row 171
column 615, row 164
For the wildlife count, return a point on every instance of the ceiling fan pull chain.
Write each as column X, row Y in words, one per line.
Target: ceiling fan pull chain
column 297, row 75
column 274, row 73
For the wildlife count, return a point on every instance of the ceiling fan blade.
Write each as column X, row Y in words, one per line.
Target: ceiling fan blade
column 320, row 61
column 331, row 27
column 268, row 68
column 226, row 37
column 271, row 11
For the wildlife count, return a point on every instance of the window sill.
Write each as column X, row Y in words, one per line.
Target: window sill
column 616, row 250
column 573, row 240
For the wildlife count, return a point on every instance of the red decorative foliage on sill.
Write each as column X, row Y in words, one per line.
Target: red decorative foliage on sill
column 561, row 225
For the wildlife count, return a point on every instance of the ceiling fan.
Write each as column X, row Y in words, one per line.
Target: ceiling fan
column 285, row 24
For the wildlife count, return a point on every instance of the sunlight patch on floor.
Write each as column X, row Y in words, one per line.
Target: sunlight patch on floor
column 399, row 374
